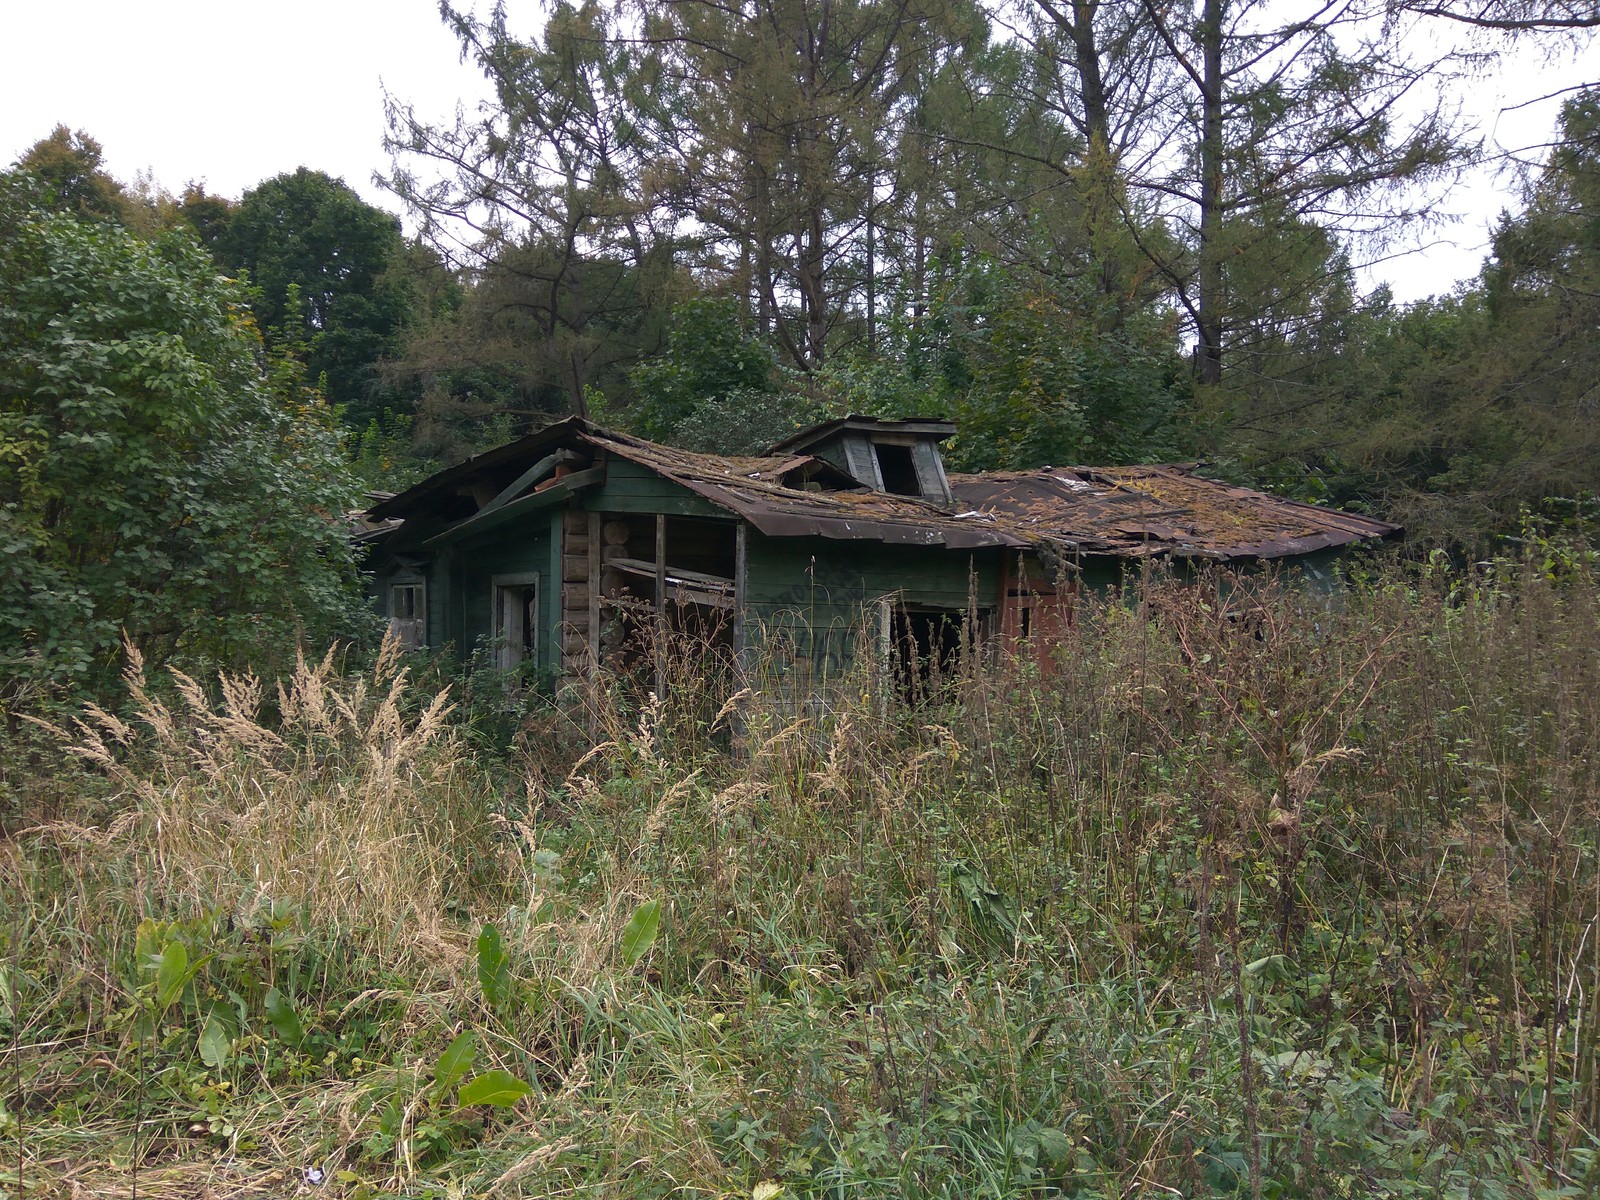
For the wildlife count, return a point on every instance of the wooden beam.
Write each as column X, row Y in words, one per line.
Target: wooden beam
column 486, row 519
column 530, row 477
column 643, row 566
column 741, row 587
column 661, row 603
column 594, row 594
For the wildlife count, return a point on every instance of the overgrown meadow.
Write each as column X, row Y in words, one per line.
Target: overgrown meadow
column 1248, row 891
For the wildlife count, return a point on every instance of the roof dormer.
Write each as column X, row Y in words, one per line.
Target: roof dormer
column 898, row 457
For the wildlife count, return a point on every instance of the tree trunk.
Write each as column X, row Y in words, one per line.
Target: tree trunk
column 1208, row 316
column 1096, row 112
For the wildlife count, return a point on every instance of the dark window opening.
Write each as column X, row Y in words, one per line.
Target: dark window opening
column 926, row 648
column 698, row 590
column 899, row 470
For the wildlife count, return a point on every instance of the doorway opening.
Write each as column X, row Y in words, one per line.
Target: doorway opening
column 516, row 620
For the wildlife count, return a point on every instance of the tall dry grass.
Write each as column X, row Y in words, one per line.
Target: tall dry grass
column 322, row 794
column 1243, row 888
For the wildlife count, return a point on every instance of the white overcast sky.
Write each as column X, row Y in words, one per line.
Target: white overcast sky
column 230, row 94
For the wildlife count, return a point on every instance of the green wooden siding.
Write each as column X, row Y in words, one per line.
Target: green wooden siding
column 519, row 547
column 812, row 598
column 631, row 488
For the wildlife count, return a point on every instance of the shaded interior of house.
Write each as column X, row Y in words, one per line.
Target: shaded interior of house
column 571, row 550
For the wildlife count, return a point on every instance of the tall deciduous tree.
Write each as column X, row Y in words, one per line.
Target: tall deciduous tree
column 797, row 120
column 68, row 166
column 542, row 192
column 1282, row 121
column 310, row 232
column 155, row 482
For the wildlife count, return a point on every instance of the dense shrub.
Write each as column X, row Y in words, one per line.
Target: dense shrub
column 160, row 478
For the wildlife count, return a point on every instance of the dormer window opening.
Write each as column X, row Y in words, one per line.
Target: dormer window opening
column 898, row 469
column 900, row 458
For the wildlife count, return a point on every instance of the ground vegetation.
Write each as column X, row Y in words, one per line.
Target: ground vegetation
column 1246, row 890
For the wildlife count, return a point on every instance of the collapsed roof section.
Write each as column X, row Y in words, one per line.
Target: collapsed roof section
column 1166, row 510
column 1127, row 512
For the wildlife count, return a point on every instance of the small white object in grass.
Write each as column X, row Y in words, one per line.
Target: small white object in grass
column 315, row 1175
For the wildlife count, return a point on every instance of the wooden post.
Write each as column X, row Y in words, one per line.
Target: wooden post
column 594, row 595
column 741, row 580
column 661, row 604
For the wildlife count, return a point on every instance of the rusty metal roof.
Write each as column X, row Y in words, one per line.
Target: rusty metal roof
column 1144, row 511
column 1119, row 511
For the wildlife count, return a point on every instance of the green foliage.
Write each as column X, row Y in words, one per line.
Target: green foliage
column 494, row 972
column 67, row 166
column 713, row 387
column 280, row 1012
column 1237, row 890
column 455, row 1062
column 641, row 930
column 311, row 232
column 497, row 1088
column 155, row 483
column 1453, row 414
column 1034, row 375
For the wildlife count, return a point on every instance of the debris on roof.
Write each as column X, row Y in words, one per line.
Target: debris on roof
column 1165, row 510
column 1127, row 512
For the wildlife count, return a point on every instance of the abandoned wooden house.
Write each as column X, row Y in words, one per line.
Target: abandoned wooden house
column 554, row 551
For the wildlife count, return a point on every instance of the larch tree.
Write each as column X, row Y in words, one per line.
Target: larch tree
column 543, row 192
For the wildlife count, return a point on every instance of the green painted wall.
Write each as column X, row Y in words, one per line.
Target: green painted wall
column 468, row 571
column 812, row 597
column 630, row 488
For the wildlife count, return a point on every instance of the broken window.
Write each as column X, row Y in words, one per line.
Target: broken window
column 898, row 469
column 926, row 646
column 516, row 620
column 408, row 615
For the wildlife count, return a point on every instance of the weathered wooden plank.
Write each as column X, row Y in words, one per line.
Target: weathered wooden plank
column 741, row 588
column 643, row 566
column 861, row 462
column 661, row 603
column 685, row 505
column 631, row 488
column 488, row 519
column 930, row 472
column 594, row 592
column 574, row 567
